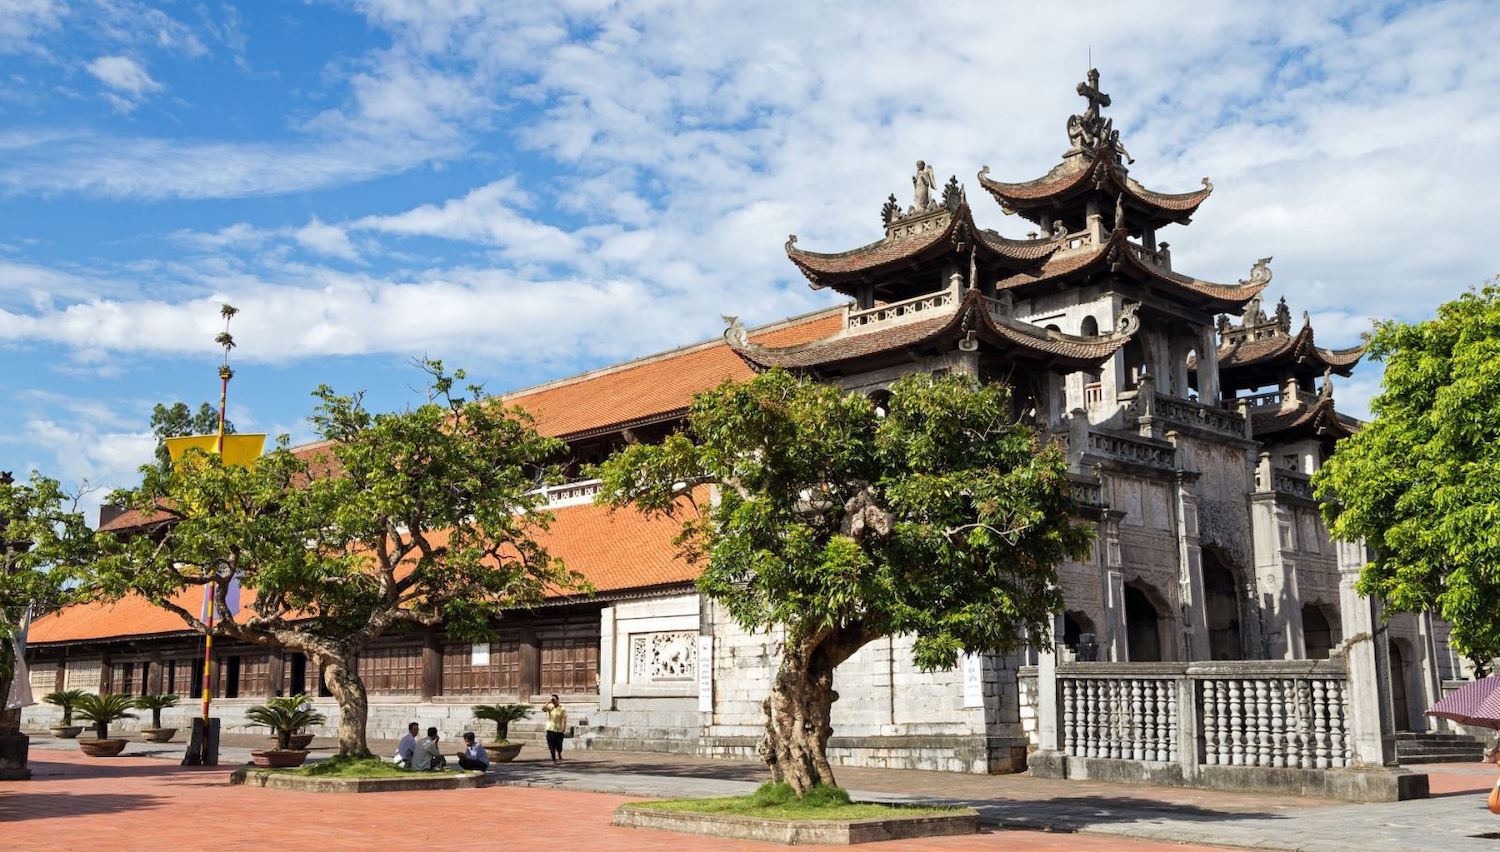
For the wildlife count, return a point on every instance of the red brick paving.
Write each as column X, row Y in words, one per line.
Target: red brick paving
column 74, row 802
column 1450, row 778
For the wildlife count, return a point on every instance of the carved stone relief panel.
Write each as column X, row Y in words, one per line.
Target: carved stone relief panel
column 667, row 656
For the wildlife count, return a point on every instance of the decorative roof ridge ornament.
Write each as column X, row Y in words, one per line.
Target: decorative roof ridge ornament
column 922, row 185
column 1284, row 316
column 1260, row 275
column 1127, row 323
column 1090, row 132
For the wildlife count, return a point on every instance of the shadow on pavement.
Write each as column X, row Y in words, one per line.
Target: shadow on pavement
column 1080, row 812
column 15, row 807
column 722, row 772
column 102, row 767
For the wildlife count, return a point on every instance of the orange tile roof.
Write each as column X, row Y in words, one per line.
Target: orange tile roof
column 657, row 385
column 614, row 551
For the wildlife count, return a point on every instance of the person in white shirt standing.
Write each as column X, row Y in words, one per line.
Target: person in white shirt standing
column 407, row 747
column 473, row 756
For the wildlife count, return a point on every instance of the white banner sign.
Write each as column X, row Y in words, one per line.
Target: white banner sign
column 973, row 673
column 705, row 673
column 480, row 655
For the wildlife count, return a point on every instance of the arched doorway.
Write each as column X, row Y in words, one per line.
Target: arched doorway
column 1401, row 713
column 1317, row 633
column 1076, row 626
column 1142, row 627
column 1222, row 608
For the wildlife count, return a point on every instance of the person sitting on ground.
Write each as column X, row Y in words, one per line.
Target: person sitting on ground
column 407, row 746
column 427, row 757
column 473, row 756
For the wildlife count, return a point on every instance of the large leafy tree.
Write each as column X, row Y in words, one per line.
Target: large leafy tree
column 404, row 519
column 44, row 541
column 177, row 420
column 1421, row 482
column 942, row 517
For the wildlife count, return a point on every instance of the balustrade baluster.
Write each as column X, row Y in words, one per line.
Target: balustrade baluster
column 1338, row 739
column 1305, row 751
column 1226, row 735
column 1139, row 714
column 1166, row 731
column 1278, row 722
column 1320, row 723
column 1262, row 724
column 1210, row 723
column 1236, row 732
column 1070, row 719
column 1091, row 718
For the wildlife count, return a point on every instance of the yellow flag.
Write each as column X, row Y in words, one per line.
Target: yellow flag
column 241, row 450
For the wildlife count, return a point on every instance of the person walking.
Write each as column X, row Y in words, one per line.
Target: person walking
column 1492, row 755
column 557, row 723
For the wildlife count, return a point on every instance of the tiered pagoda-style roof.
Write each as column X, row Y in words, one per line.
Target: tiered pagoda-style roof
column 1263, row 350
column 1299, row 418
column 1093, row 177
column 940, row 323
column 930, row 236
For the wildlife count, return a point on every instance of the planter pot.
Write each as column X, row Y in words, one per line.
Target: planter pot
column 299, row 742
column 277, row 759
column 158, row 735
column 66, row 732
column 101, row 748
column 503, row 753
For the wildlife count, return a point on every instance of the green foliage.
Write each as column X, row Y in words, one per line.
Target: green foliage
column 101, row 710
column 944, row 518
column 177, row 421
column 353, row 767
column 779, row 801
column 416, row 517
column 502, row 715
column 156, row 702
column 1421, row 483
column 44, row 544
column 67, row 699
column 284, row 720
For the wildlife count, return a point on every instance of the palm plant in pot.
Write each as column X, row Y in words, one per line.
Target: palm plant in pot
column 67, row 699
column 101, row 710
column 300, row 738
column 502, row 750
column 284, row 720
column 157, row 703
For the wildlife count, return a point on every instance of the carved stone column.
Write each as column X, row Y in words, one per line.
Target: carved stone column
column 1372, row 726
column 607, row 653
column 1208, row 366
column 1113, row 642
column 1194, row 642
column 1048, row 760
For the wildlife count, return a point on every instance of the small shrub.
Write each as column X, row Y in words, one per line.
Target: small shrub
column 826, row 796
column 771, row 794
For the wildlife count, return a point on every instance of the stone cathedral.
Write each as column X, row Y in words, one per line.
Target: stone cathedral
column 1193, row 416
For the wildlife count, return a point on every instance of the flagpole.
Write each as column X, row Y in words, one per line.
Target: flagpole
column 225, row 374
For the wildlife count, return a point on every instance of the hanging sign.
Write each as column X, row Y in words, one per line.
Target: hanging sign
column 480, row 654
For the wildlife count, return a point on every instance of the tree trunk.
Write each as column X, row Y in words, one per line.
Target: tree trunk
column 799, row 711
column 354, row 706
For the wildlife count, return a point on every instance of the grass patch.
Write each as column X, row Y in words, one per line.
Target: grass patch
column 777, row 801
column 356, row 767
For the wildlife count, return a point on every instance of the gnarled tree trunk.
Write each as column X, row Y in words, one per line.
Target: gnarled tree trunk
column 800, row 709
column 354, row 706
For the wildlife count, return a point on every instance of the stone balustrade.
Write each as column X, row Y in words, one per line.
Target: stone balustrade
column 918, row 307
column 1152, row 258
column 571, row 493
column 1133, row 449
column 1273, row 714
column 1269, row 399
column 1186, row 412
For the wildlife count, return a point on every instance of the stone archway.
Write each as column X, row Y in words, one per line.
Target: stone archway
column 1400, row 708
column 1076, row 625
column 1143, row 627
column 1317, row 632
column 1222, row 610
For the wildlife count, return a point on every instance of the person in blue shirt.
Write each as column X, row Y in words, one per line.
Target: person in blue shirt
column 473, row 756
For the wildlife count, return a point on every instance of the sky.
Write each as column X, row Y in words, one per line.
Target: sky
column 530, row 190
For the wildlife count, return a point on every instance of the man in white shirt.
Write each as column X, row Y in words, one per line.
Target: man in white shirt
column 473, row 756
column 407, row 747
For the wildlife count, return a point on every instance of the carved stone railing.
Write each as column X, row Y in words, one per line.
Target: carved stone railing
column 571, row 493
column 1276, row 713
column 1269, row 399
column 1153, row 258
column 1076, row 240
column 1087, row 492
column 1133, row 449
column 1186, row 412
column 906, row 309
column 1120, row 718
column 1282, row 480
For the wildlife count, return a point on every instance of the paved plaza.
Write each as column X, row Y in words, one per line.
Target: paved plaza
column 144, row 800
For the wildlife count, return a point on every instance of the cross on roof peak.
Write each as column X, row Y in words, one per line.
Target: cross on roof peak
column 1090, row 91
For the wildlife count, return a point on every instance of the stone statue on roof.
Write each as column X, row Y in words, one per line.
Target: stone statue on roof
column 922, row 185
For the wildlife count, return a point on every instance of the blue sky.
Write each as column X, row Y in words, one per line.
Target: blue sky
column 530, row 190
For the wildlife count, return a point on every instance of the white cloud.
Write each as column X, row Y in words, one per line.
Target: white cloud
column 485, row 215
column 326, row 239
column 130, row 81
